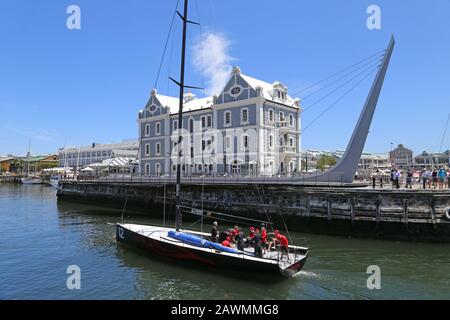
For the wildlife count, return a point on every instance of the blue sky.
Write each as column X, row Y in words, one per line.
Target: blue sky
column 60, row 86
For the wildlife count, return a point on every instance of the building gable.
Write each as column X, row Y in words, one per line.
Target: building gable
column 236, row 89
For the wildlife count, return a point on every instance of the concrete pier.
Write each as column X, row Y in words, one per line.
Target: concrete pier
column 411, row 215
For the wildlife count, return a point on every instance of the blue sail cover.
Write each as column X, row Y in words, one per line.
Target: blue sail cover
column 199, row 242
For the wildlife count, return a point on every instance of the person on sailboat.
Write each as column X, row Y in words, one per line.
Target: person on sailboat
column 264, row 239
column 214, row 232
column 227, row 243
column 240, row 240
column 256, row 242
column 250, row 237
column 284, row 244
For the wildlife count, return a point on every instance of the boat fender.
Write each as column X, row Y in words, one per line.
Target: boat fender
column 447, row 213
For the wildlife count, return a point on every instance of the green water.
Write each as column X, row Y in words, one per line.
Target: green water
column 40, row 238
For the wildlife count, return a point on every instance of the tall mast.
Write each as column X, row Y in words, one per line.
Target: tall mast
column 178, row 217
column 29, row 156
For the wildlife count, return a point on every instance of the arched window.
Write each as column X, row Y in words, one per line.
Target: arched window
column 147, row 149
column 291, row 120
column 147, row 130
column 147, row 168
column 158, row 149
column 158, row 128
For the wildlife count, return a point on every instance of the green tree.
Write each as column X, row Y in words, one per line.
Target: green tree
column 325, row 162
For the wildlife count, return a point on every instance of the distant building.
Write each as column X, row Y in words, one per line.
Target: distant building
column 251, row 127
column 96, row 153
column 430, row 160
column 369, row 162
column 38, row 163
column 401, row 157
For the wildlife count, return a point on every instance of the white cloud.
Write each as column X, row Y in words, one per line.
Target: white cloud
column 211, row 58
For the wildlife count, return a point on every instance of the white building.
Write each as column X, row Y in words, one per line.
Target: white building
column 95, row 153
column 251, row 127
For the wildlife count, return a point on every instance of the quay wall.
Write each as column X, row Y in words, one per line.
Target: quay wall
column 410, row 215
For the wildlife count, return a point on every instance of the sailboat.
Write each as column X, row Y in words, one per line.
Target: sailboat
column 30, row 179
column 182, row 244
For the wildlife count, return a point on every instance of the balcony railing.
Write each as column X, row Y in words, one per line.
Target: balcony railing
column 287, row 149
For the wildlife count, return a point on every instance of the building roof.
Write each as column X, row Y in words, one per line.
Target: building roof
column 41, row 158
column 124, row 145
column 192, row 105
column 114, row 162
column 268, row 91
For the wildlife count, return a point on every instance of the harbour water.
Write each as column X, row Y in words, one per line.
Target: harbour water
column 41, row 237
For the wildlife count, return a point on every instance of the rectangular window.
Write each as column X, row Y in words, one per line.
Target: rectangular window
column 245, row 142
column 192, row 152
column 227, row 118
column 175, row 125
column 291, row 120
column 209, row 121
column 271, row 118
column 158, row 149
column 245, row 116
column 191, row 125
column 270, row 142
column 203, row 122
column 291, row 142
column 203, row 144
column 228, row 143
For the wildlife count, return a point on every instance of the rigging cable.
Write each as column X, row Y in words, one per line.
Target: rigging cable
column 284, row 223
column 337, row 101
column 165, row 46
column 265, row 211
column 444, row 134
column 369, row 64
column 341, row 86
column 339, row 72
column 201, row 48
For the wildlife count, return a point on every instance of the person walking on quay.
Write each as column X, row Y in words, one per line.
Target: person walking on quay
column 397, row 176
column 448, row 178
column 409, row 177
column 434, row 176
column 374, row 179
column 393, row 178
column 430, row 177
column 441, row 176
column 381, row 177
column 424, row 178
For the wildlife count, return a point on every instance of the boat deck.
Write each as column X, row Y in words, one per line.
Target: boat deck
column 274, row 256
